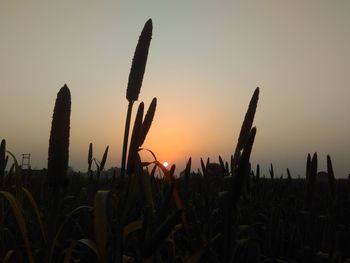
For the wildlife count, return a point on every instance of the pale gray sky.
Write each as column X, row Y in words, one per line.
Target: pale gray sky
column 205, row 60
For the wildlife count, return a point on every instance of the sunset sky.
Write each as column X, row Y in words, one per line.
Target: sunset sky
column 205, row 60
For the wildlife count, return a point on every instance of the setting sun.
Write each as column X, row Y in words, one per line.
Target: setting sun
column 165, row 164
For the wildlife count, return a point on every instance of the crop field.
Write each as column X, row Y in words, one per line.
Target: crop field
column 227, row 211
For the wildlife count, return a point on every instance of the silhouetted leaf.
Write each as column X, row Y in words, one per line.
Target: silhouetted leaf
column 135, row 138
column 146, row 125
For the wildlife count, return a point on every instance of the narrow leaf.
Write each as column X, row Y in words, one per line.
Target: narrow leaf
column 2, row 162
column 36, row 210
column 17, row 212
column 90, row 157
column 104, row 158
column 135, row 138
column 248, row 120
column 146, row 125
column 331, row 178
column 160, row 234
column 243, row 167
column 101, row 224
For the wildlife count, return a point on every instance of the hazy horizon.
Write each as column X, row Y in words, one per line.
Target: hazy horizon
column 205, row 60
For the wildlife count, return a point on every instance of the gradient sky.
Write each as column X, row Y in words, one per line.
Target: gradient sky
column 205, row 60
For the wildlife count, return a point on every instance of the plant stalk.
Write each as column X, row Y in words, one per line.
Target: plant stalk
column 126, row 137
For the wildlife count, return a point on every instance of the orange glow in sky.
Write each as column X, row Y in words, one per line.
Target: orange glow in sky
column 295, row 51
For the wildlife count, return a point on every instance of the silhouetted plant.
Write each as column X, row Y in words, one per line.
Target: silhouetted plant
column 59, row 140
column 224, row 172
column 271, row 171
column 310, row 183
column 147, row 122
column 90, row 154
column 135, row 81
column 104, row 159
column 151, row 244
column 257, row 171
column 308, row 165
column 246, row 127
column 243, row 168
column 289, row 177
column 186, row 180
column 2, row 162
column 100, row 165
column 331, row 178
column 135, row 140
column 58, row 161
column 273, row 221
column 203, row 168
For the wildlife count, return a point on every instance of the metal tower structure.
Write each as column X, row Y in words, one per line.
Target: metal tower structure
column 25, row 161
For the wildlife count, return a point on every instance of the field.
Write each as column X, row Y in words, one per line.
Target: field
column 225, row 212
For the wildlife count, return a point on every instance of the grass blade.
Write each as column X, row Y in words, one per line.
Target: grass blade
column 126, row 138
column 135, row 138
column 87, row 242
column 311, row 181
column 271, row 171
column 17, row 212
column 248, row 120
column 90, row 158
column 160, row 234
column 308, row 165
column 8, row 256
column 257, row 171
column 36, row 210
column 222, row 165
column 203, row 167
column 331, row 178
column 104, row 158
column 131, row 227
column 2, row 162
column 101, row 224
column 18, row 180
column 146, row 125
column 289, row 175
column 246, row 126
column 243, row 168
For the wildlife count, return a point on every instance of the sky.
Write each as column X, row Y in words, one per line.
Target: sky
column 205, row 60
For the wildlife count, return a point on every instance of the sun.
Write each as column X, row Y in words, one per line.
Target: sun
column 165, row 164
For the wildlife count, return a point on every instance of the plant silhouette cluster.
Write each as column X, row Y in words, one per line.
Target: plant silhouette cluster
column 225, row 212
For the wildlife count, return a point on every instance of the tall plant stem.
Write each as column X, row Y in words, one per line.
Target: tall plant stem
column 126, row 137
column 54, row 210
